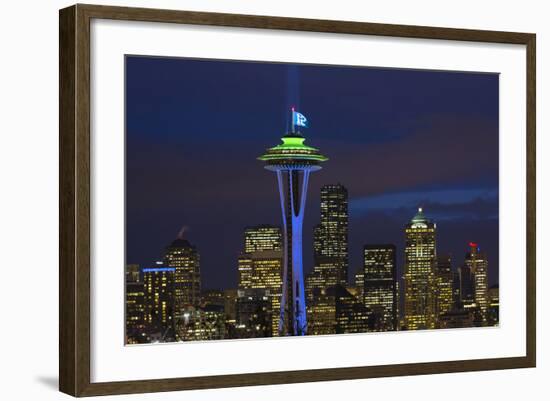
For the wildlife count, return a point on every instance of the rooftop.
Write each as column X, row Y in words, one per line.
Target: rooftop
column 419, row 217
column 180, row 243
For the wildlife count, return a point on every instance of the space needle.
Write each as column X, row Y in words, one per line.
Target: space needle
column 293, row 161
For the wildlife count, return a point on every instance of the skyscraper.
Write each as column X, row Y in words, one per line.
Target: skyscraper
column 262, row 238
column 493, row 308
column 204, row 323
column 331, row 235
column 293, row 161
column 245, row 269
column 261, row 266
column 159, row 297
column 185, row 258
column 321, row 311
column 420, row 263
column 267, row 274
column 466, row 285
column 230, row 309
column 444, row 281
column 359, row 281
column 254, row 314
column 379, row 286
column 320, row 278
column 336, row 311
column 457, row 303
column 478, row 264
column 351, row 314
column 330, row 250
column 132, row 273
column 212, row 297
column 135, row 307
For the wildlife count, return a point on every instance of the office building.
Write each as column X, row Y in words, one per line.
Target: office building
column 254, row 314
column 261, row 266
column 159, row 298
column 201, row 324
column 478, row 264
column 133, row 273
column 444, row 278
column 420, row 264
column 135, row 307
column 335, row 310
column 330, row 237
column 466, row 286
column 263, row 238
column 493, row 308
column 185, row 259
column 379, row 286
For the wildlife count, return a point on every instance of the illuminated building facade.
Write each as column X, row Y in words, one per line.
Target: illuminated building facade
column 245, row 270
column 321, row 306
column 444, row 284
column 477, row 262
column 320, row 278
column 185, row 258
column 212, row 297
column 398, row 305
column 351, row 314
column 135, row 307
column 321, row 312
column 230, row 309
column 262, row 238
column 293, row 161
column 336, row 311
column 159, row 297
column 359, row 281
column 330, row 252
column 455, row 319
column 267, row 268
column 466, row 281
column 254, row 314
column 132, row 273
column 456, row 289
column 379, row 286
column 493, row 308
column 261, row 266
column 200, row 324
column 420, row 264
column 330, row 237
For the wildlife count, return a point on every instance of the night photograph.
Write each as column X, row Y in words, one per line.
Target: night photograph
column 273, row 199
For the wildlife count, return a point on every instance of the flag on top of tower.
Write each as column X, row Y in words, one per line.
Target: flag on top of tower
column 298, row 119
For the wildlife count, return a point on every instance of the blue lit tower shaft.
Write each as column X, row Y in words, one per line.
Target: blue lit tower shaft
column 293, row 161
column 293, row 319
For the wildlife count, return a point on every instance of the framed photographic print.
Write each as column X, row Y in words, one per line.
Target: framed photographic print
column 313, row 200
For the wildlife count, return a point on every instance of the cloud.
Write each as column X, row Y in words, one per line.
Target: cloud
column 443, row 204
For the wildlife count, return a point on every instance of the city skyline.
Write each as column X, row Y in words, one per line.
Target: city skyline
column 260, row 245
column 257, row 254
column 350, row 274
column 434, row 295
column 422, row 123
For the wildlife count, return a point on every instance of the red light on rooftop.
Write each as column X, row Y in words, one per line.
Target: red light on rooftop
column 473, row 244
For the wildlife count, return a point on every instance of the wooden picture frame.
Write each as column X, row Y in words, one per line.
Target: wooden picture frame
column 74, row 206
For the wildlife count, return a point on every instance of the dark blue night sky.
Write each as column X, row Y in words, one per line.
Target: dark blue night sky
column 397, row 139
